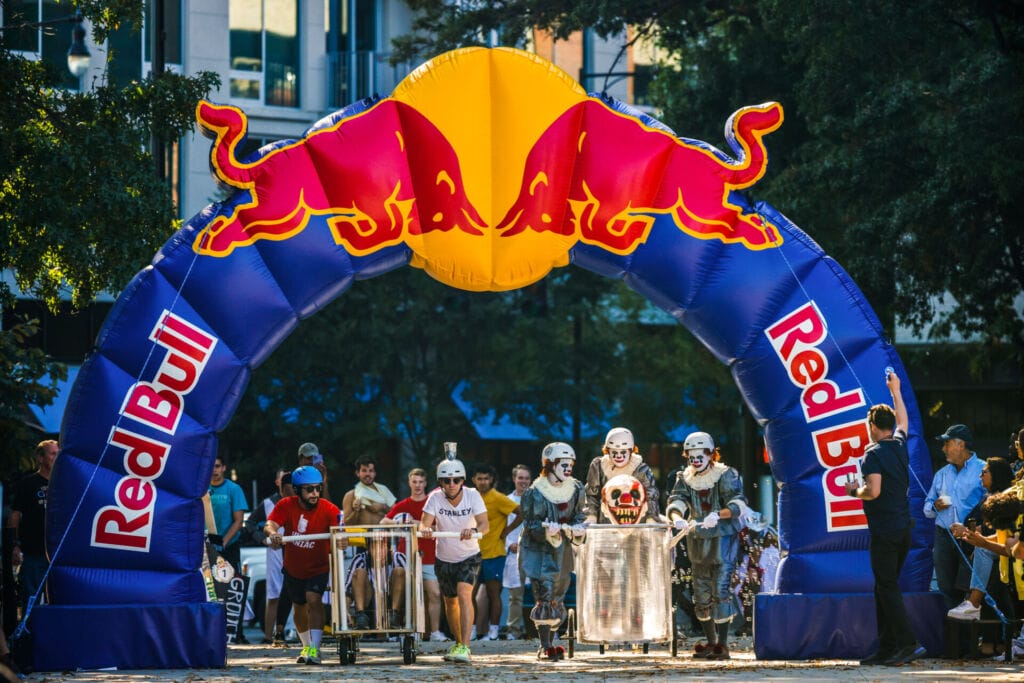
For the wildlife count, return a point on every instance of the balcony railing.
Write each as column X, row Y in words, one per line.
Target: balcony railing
column 351, row 76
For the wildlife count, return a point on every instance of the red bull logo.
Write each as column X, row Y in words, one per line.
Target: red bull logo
column 359, row 173
column 618, row 175
column 578, row 171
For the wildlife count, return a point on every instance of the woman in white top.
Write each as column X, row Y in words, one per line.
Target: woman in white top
column 455, row 508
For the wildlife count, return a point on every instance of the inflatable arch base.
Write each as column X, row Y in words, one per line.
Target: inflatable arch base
column 168, row 636
column 837, row 625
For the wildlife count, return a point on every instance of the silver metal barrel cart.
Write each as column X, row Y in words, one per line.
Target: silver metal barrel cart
column 388, row 547
column 623, row 588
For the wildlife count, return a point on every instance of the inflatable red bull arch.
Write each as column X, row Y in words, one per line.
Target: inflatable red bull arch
column 489, row 192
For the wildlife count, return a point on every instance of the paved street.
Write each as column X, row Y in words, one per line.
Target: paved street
column 516, row 661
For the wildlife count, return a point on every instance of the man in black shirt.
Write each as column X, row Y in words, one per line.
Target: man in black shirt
column 887, row 506
column 28, row 514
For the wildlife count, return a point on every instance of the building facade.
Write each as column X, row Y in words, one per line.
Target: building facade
column 286, row 63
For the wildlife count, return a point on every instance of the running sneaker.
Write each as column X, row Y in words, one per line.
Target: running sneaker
column 303, row 656
column 965, row 611
column 450, row 655
column 461, row 654
column 438, row 637
column 314, row 656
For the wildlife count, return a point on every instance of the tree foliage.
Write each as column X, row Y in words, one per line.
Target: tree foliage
column 902, row 148
column 381, row 364
column 81, row 207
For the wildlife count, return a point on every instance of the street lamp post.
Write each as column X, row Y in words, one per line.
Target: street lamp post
column 79, row 58
column 78, row 55
column 158, row 66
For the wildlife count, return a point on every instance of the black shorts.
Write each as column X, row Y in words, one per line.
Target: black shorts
column 296, row 589
column 450, row 574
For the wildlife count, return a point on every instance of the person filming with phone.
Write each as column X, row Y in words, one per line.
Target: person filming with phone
column 884, row 491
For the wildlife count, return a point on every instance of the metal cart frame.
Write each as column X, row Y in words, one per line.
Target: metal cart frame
column 381, row 541
column 657, row 600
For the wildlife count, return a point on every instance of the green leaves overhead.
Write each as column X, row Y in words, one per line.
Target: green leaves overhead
column 903, row 146
column 81, row 207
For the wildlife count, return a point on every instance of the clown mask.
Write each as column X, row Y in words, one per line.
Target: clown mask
column 624, row 500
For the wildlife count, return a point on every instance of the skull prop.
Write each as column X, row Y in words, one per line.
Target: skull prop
column 624, row 500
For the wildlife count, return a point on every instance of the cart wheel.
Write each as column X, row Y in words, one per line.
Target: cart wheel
column 600, row 648
column 408, row 650
column 343, row 653
column 646, row 647
column 353, row 647
column 570, row 632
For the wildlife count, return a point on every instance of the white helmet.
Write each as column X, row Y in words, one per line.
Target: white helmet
column 556, row 451
column 451, row 468
column 619, row 438
column 699, row 440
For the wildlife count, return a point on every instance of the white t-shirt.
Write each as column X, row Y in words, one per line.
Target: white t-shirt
column 510, row 578
column 455, row 518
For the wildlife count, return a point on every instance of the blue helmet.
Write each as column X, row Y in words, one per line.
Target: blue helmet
column 307, row 474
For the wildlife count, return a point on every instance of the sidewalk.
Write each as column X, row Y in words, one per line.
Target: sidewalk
column 515, row 661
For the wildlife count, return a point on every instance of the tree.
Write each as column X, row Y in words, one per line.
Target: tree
column 81, row 210
column 901, row 152
column 382, row 363
column 376, row 370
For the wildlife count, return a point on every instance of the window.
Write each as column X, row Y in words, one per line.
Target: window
column 67, row 336
column 46, row 43
column 264, row 47
column 131, row 49
column 356, row 65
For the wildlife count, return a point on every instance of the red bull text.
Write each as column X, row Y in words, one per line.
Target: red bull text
column 159, row 404
column 797, row 338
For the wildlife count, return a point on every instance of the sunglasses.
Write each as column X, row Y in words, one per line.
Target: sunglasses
column 315, row 488
column 450, row 480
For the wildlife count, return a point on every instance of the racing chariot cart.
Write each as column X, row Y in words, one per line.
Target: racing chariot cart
column 393, row 565
column 623, row 588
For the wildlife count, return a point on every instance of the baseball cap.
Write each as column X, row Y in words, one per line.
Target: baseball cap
column 308, row 450
column 957, row 432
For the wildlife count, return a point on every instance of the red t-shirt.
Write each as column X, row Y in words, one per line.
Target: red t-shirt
column 414, row 508
column 306, row 559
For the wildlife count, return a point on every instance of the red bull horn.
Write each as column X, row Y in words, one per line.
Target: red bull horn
column 618, row 175
column 373, row 163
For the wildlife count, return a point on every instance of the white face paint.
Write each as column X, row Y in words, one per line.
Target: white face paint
column 619, row 456
column 561, row 470
column 699, row 458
